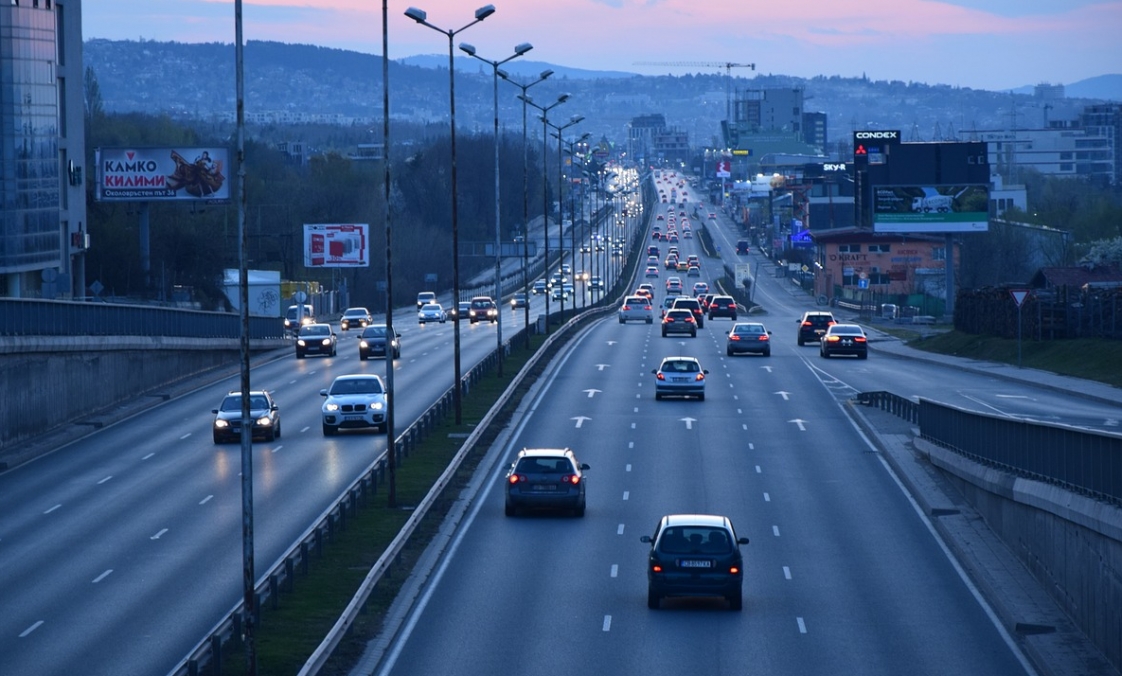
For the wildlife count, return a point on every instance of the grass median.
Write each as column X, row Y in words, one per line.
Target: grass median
column 289, row 633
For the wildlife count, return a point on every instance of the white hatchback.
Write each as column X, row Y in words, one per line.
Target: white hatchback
column 636, row 308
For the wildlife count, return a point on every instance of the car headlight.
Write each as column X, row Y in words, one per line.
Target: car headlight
column 221, row 424
column 376, row 406
column 363, row 344
column 300, row 342
column 326, row 342
column 265, row 421
column 331, row 406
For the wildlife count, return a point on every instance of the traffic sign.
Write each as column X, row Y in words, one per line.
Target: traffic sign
column 1019, row 295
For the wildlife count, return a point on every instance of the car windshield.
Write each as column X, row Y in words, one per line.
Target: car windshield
column 544, row 466
column 234, row 403
column 681, row 366
column 694, row 540
column 355, row 313
column 748, row 329
column 374, row 332
column 315, row 330
column 846, row 330
column 357, row 386
column 481, row 304
column 431, row 307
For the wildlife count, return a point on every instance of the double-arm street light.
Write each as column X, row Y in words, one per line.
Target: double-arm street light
column 525, row 193
column 575, row 119
column 572, row 216
column 422, row 18
column 518, row 51
column 545, row 188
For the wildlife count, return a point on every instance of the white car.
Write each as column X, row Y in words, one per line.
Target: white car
column 636, row 308
column 354, row 402
column 431, row 312
column 355, row 317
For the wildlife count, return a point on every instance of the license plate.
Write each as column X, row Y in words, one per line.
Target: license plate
column 689, row 563
column 352, row 417
column 544, row 487
column 681, row 380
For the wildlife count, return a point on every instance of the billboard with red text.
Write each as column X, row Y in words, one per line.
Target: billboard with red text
column 163, row 174
column 337, row 245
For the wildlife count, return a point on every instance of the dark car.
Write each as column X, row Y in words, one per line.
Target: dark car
column 813, row 325
column 315, row 339
column 844, row 339
column 694, row 555
column 545, row 478
column 372, row 342
column 722, row 306
column 679, row 321
column 263, row 411
column 750, row 337
column 694, row 306
column 483, row 309
column 463, row 309
column 742, row 247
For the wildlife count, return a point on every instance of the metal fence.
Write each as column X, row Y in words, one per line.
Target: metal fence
column 892, row 403
column 34, row 317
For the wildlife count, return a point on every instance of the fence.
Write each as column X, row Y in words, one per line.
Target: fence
column 1046, row 314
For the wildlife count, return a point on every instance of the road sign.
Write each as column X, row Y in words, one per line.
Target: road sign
column 1019, row 295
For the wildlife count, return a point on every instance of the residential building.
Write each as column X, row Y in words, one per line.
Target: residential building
column 1060, row 150
column 43, row 232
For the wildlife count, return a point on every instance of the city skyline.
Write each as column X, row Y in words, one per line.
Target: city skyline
column 982, row 44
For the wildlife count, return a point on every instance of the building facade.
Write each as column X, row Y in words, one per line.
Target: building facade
column 1070, row 152
column 42, row 149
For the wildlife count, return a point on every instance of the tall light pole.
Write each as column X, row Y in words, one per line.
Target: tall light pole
column 391, row 434
column 545, row 185
column 572, row 214
column 525, row 193
column 518, row 51
column 575, row 119
column 421, row 17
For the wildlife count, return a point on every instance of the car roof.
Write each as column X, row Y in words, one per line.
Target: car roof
column 679, row 310
column 358, row 376
column 846, row 328
column 712, row 520
column 544, row 452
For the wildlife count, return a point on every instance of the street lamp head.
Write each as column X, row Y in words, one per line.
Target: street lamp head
column 545, row 73
column 417, row 15
column 525, row 99
column 521, row 49
column 563, row 98
column 575, row 118
column 467, row 49
column 484, row 12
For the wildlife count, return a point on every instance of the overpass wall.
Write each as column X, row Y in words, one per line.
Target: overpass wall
column 53, row 383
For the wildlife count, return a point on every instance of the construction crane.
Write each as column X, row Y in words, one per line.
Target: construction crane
column 727, row 65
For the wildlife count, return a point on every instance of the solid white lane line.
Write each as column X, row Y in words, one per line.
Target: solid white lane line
column 157, row 535
column 619, row 531
column 184, row 436
column 31, row 629
column 775, row 530
column 52, row 509
column 615, row 570
column 786, row 572
column 105, row 479
column 802, row 625
column 148, row 456
column 607, row 622
column 767, row 498
column 101, row 577
column 206, row 499
column 626, row 494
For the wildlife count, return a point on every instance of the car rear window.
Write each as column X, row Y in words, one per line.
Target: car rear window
column 694, row 540
column 544, row 466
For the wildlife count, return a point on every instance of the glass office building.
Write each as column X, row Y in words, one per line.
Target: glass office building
column 42, row 200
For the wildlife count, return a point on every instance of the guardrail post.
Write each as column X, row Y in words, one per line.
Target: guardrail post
column 274, row 590
column 304, row 554
column 319, row 541
column 290, row 573
column 216, row 655
column 192, row 668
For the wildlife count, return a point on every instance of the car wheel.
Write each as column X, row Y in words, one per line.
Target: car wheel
column 328, row 430
column 767, row 353
column 654, row 601
column 272, row 435
column 361, row 357
column 801, row 342
column 664, row 333
column 693, row 334
column 658, row 396
column 824, row 353
column 621, row 320
column 736, row 600
column 701, row 397
column 217, row 439
column 510, row 510
column 277, row 436
column 729, row 351
column 863, row 355
column 579, row 511
column 650, row 320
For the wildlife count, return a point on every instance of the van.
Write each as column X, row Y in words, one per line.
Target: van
column 424, row 298
column 294, row 318
column 742, row 247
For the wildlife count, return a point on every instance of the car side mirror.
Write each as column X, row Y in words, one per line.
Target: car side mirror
column 275, row 407
column 214, row 411
column 769, row 333
column 654, row 371
column 705, row 371
column 323, row 393
column 645, row 538
column 584, row 466
column 742, row 541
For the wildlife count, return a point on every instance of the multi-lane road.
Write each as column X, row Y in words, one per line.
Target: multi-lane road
column 120, row 551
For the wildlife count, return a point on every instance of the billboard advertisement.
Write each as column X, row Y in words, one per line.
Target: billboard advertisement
column 337, row 245
column 940, row 208
column 163, row 174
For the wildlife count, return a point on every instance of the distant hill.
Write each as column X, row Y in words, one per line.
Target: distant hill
column 519, row 67
column 1105, row 87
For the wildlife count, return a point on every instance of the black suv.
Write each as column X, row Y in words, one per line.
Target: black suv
column 694, row 555
column 813, row 325
column 545, row 478
column 722, row 306
column 742, row 247
column 694, row 306
column 264, row 417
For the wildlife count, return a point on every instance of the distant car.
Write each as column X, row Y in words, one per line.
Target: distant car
column 431, row 312
column 722, row 306
column 692, row 259
column 545, row 478
column 518, row 300
column 700, row 288
column 652, row 272
column 263, row 414
column 667, row 303
column 424, row 298
column 687, row 234
column 539, row 287
column 372, row 342
column 566, row 269
column 354, row 402
column 671, row 262
column 461, row 311
column 813, row 325
column 705, row 299
column 673, row 286
column 482, row 308
column 595, row 284
column 844, row 339
column 694, row 555
column 750, row 337
column 652, row 260
column 694, row 306
column 562, row 291
column 636, row 308
column 742, row 247
column 358, row 317
column 672, row 237
column 653, row 251
column 679, row 321
column 659, row 217
column 712, row 216
column 295, row 317
column 683, row 266
column 315, row 339
column 680, row 377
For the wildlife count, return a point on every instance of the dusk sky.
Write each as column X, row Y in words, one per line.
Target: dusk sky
column 984, row 44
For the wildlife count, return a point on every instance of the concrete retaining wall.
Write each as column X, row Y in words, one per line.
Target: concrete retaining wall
column 1071, row 543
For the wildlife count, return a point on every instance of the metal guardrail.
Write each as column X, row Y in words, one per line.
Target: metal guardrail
column 892, row 403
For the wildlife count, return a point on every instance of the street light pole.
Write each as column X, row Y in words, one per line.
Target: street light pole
column 572, row 213
column 545, row 186
column 561, row 203
column 518, row 51
column 421, row 17
column 525, row 194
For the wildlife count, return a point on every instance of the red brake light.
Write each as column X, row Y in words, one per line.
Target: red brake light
column 859, row 339
column 734, row 570
column 690, row 319
column 517, row 478
column 700, row 377
column 570, row 479
column 626, row 307
column 763, row 336
column 660, row 376
column 832, row 339
column 647, row 307
column 807, row 324
column 656, row 568
column 733, row 336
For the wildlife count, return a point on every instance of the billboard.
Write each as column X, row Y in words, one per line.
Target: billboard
column 337, row 245
column 931, row 208
column 163, row 174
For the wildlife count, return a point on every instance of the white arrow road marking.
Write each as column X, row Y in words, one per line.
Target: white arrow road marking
column 591, row 393
column 766, row 368
column 580, row 420
column 157, row 535
column 601, row 367
column 784, row 395
column 689, row 422
column 800, row 423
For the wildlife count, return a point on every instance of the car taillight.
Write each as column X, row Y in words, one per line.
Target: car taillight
column 700, row 377
column 859, row 339
column 831, row 323
column 832, row 339
column 763, row 336
column 807, row 324
column 626, row 307
column 690, row 319
column 656, row 568
column 647, row 307
column 570, row 479
column 660, row 376
column 517, row 478
column 734, row 570
column 733, row 336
